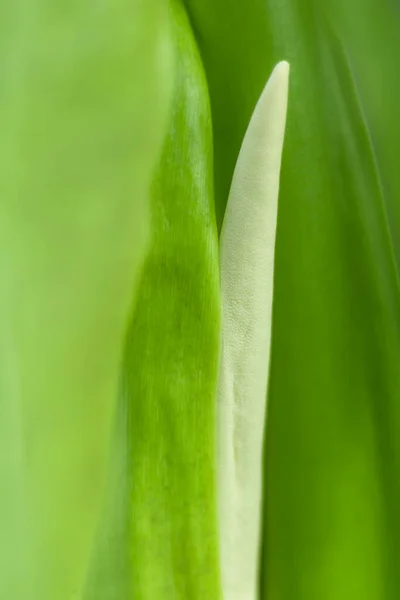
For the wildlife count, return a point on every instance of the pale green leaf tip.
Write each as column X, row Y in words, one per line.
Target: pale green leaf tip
column 247, row 269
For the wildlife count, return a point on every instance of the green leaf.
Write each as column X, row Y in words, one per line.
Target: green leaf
column 373, row 43
column 169, row 377
column 331, row 453
column 80, row 140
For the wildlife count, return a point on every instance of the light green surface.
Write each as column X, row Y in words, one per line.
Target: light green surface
column 79, row 142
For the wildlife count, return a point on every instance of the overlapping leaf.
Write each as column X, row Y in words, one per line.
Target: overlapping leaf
column 331, row 451
column 169, row 378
